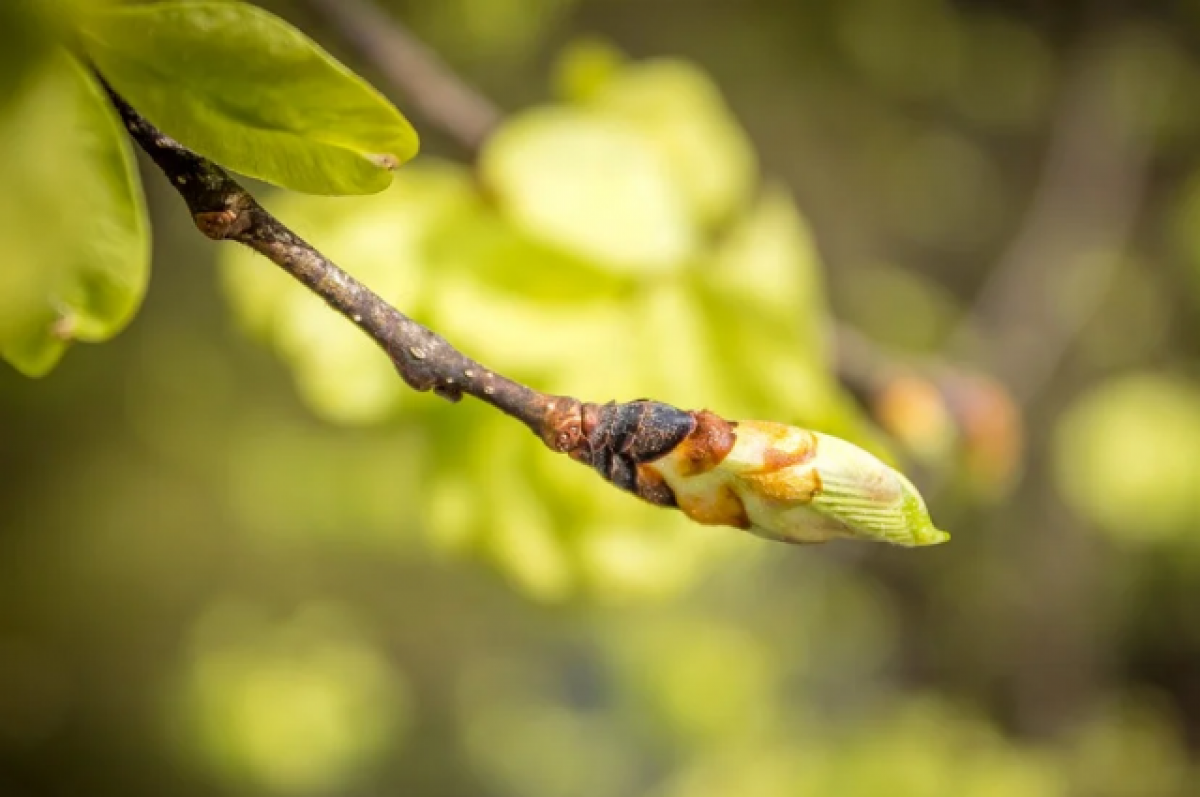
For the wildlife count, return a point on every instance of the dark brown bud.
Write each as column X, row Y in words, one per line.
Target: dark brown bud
column 616, row 439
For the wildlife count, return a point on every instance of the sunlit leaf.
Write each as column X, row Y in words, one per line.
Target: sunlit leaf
column 643, row 555
column 592, row 185
column 675, row 359
column 72, row 217
column 520, row 336
column 769, row 259
column 487, row 246
column 246, row 89
column 452, row 516
column 763, row 294
column 681, row 113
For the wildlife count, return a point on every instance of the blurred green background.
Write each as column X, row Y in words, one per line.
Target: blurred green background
column 246, row 569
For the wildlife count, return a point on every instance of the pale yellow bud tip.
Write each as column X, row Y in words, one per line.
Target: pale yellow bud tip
column 794, row 485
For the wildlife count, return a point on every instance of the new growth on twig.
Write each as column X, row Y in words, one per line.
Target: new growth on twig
column 782, row 483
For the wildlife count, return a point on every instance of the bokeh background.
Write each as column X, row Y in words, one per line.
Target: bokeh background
column 237, row 557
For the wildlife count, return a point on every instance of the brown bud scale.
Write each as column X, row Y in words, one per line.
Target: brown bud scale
column 708, row 444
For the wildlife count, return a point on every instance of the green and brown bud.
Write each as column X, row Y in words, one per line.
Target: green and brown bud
column 794, row 485
column 779, row 482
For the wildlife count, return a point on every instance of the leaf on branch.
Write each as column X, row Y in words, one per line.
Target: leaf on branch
column 244, row 88
column 73, row 219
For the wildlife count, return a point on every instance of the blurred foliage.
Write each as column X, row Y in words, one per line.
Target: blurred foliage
column 584, row 262
column 261, row 694
column 1127, row 456
column 207, row 588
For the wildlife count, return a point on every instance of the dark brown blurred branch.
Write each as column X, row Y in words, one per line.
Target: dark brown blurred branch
column 612, row 438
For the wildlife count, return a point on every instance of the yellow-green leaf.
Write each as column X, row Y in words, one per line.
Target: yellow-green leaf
column 682, row 115
column 769, row 260
column 244, row 88
column 72, row 219
column 592, row 185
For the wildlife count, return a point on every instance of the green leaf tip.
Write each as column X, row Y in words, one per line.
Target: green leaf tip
column 249, row 91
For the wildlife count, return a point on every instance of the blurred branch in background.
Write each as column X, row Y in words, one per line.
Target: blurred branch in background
column 1032, row 309
column 1061, row 264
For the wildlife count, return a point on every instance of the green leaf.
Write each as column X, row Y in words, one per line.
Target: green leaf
column 769, row 260
column 675, row 360
column 487, row 246
column 72, row 219
column 592, row 185
column 528, row 339
column 680, row 112
column 246, row 89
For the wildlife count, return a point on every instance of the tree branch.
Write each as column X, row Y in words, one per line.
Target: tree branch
column 615, row 439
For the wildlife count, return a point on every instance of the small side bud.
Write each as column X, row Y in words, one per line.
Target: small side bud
column 794, row 485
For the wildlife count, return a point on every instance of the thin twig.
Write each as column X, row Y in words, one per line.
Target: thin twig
column 615, row 439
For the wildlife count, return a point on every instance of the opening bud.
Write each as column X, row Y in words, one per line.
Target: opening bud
column 794, row 485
